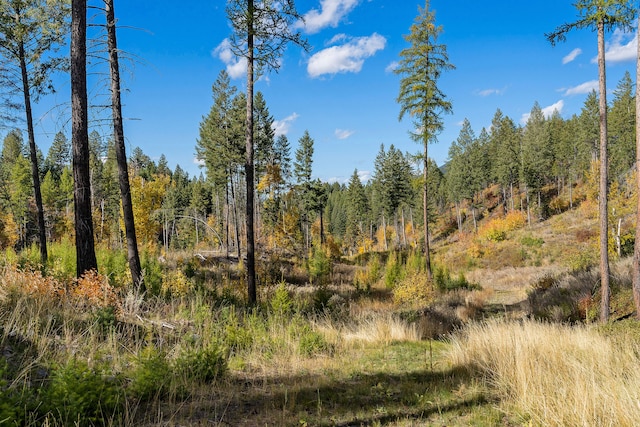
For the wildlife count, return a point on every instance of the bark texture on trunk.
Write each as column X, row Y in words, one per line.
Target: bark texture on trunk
column 425, row 200
column 85, row 249
column 248, row 167
column 121, row 156
column 636, row 247
column 604, row 176
column 33, row 153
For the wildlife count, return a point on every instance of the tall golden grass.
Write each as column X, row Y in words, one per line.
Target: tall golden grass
column 555, row 375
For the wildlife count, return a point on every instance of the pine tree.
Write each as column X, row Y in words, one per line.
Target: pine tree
column 85, row 247
column 357, row 209
column 601, row 16
column 31, row 31
column 421, row 65
column 622, row 133
column 133, row 257
column 302, row 169
column 261, row 32
column 58, row 156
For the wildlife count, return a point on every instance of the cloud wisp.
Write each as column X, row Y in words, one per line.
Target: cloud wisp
column 236, row 67
column 281, row 127
column 546, row 111
column 489, row 92
column 571, row 56
column 346, row 58
column 331, row 13
column 582, row 89
column 343, row 133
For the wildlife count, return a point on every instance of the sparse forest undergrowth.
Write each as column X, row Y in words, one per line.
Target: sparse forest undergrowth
column 358, row 341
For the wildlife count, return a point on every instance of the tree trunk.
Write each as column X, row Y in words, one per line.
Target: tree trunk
column 85, row 249
column 236, row 219
column 35, row 172
column 425, row 201
column 570, row 194
column 604, row 189
column 404, row 231
column 321, row 228
column 384, row 233
column 248, row 167
column 121, row 157
column 227, row 210
column 636, row 246
column 512, row 198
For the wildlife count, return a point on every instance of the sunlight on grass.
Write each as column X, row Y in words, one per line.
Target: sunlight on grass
column 555, row 375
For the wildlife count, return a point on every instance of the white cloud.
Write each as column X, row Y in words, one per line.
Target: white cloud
column 281, row 127
column 343, row 133
column 364, row 176
column 330, row 14
column 622, row 47
column 347, row 58
column 582, row 89
column 546, row 111
column 571, row 56
column 236, row 67
column 392, row 67
column 488, row 92
column 197, row 161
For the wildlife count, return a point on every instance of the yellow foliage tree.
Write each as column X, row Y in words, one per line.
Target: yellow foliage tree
column 147, row 197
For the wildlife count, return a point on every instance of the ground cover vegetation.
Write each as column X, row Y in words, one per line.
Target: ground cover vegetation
column 352, row 321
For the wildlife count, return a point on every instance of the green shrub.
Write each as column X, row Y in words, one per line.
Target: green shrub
column 81, row 394
column 150, row 376
column 416, row 262
column 114, row 265
column 319, row 266
column 9, row 401
column 444, row 282
column 153, row 273
column 312, row 343
column 309, row 341
column 393, row 271
column 202, row 364
column 281, row 302
column 534, row 242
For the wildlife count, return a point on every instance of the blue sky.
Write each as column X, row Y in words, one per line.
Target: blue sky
column 343, row 91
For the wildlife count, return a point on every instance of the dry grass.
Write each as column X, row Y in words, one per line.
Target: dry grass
column 555, row 375
column 382, row 328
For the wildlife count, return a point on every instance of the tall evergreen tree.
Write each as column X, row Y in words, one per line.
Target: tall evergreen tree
column 58, row 156
column 302, row 169
column 85, row 246
column 537, row 154
column 601, row 16
column 261, row 32
column 505, row 137
column 31, row 31
column 421, row 65
column 622, row 136
column 357, row 209
column 636, row 246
